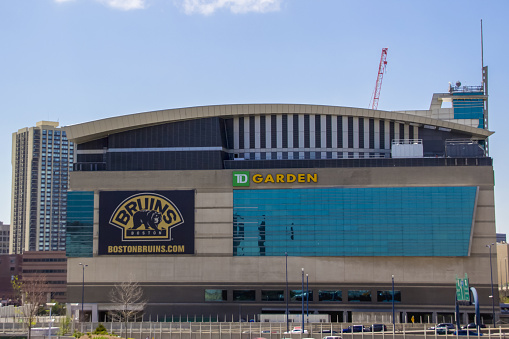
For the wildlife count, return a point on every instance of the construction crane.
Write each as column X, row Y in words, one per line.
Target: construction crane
column 381, row 70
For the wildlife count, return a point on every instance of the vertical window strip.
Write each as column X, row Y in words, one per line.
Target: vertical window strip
column 350, row 132
column 318, row 134
column 285, row 130
column 263, row 133
column 391, row 133
column 382, row 133
column 372, row 133
column 241, row 132
column 306, row 131
column 252, row 133
column 273, row 131
column 340, row 132
column 361, row 132
column 328, row 131
column 296, row 131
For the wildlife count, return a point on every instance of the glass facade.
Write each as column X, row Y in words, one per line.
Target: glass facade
column 359, row 296
column 382, row 221
column 244, row 295
column 466, row 107
column 386, row 296
column 80, row 224
column 297, row 295
column 215, row 295
column 273, row 295
column 330, row 295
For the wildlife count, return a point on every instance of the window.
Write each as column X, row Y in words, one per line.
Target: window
column 330, row 295
column 359, row 296
column 353, row 221
column 215, row 295
column 244, row 295
column 386, row 296
column 297, row 295
column 274, row 295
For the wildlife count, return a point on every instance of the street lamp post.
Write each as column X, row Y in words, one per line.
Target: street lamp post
column 505, row 276
column 50, row 320
column 307, row 298
column 393, row 320
column 492, row 294
column 82, row 317
column 286, row 297
column 302, row 297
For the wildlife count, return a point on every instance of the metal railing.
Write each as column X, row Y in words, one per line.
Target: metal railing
column 248, row 330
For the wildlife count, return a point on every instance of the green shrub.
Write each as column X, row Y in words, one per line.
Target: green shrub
column 100, row 330
column 65, row 326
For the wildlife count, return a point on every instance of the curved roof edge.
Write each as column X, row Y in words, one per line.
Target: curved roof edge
column 97, row 129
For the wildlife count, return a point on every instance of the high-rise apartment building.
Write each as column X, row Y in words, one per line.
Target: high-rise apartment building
column 41, row 160
column 4, row 238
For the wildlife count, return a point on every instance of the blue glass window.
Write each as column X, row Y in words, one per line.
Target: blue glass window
column 215, row 295
column 273, row 295
column 330, row 295
column 80, row 224
column 382, row 221
column 244, row 295
column 359, row 296
column 386, row 296
column 297, row 295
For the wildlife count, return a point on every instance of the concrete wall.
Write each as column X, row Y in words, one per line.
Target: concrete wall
column 169, row 279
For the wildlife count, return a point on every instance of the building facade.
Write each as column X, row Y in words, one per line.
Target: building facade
column 230, row 210
column 502, row 257
column 41, row 160
column 50, row 267
column 4, row 238
column 10, row 266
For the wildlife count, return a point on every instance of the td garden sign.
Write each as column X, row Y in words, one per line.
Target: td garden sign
column 245, row 178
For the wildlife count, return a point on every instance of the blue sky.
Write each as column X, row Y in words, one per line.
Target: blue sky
column 74, row 61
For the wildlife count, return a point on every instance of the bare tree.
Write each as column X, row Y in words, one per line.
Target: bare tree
column 129, row 301
column 32, row 291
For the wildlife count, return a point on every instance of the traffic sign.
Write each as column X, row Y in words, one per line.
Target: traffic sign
column 462, row 289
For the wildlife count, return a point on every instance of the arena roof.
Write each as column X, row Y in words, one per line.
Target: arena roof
column 97, row 129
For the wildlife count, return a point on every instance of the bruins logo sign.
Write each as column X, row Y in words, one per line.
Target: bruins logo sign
column 146, row 216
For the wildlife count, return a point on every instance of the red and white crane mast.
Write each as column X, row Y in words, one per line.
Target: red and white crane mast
column 381, row 70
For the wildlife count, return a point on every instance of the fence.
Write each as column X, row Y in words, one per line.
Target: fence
column 246, row 330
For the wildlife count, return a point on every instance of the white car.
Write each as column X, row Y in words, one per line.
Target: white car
column 296, row 330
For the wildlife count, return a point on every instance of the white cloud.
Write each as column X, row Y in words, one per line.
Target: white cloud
column 124, row 4
column 207, row 7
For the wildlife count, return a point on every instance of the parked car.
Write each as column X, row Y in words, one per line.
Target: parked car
column 472, row 325
column 442, row 325
column 296, row 330
column 329, row 331
column 332, row 337
column 353, row 329
column 375, row 328
column 443, row 328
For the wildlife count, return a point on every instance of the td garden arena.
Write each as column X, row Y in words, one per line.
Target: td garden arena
column 213, row 209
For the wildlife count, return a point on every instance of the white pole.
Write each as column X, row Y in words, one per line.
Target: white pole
column 50, row 322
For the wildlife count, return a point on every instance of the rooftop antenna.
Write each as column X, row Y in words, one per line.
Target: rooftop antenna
column 482, row 48
column 485, row 90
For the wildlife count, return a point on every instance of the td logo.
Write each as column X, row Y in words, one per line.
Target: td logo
column 241, row 178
